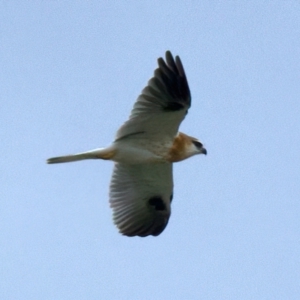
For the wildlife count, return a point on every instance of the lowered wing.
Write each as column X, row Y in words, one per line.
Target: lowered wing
column 140, row 196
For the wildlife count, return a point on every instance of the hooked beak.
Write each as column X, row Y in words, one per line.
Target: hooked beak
column 204, row 151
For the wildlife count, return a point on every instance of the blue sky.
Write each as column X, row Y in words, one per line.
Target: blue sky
column 70, row 73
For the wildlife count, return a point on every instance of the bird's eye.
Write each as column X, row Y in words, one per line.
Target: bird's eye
column 197, row 144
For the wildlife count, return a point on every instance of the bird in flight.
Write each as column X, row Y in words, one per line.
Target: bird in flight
column 144, row 150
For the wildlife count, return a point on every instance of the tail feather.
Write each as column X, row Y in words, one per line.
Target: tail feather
column 67, row 158
column 101, row 153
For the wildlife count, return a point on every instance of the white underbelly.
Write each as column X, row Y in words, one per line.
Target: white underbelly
column 136, row 153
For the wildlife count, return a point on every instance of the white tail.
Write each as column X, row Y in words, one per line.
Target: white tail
column 102, row 153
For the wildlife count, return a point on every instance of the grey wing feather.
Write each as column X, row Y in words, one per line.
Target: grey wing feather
column 140, row 197
column 162, row 104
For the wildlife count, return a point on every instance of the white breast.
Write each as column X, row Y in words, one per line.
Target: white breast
column 140, row 151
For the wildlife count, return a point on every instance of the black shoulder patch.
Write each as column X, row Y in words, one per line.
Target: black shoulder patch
column 173, row 106
column 171, row 198
column 157, row 202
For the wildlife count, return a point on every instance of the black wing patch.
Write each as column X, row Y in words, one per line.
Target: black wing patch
column 157, row 203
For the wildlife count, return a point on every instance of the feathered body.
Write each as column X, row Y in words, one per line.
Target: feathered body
column 145, row 147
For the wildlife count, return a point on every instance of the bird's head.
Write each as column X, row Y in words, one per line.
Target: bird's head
column 185, row 146
column 196, row 147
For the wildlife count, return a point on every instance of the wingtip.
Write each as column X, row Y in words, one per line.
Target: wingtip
column 168, row 54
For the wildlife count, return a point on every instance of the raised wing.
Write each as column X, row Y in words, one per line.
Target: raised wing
column 140, row 196
column 163, row 103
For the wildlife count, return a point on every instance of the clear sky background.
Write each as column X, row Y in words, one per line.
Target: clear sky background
column 70, row 73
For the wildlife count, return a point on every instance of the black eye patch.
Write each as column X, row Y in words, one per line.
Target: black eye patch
column 197, row 144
